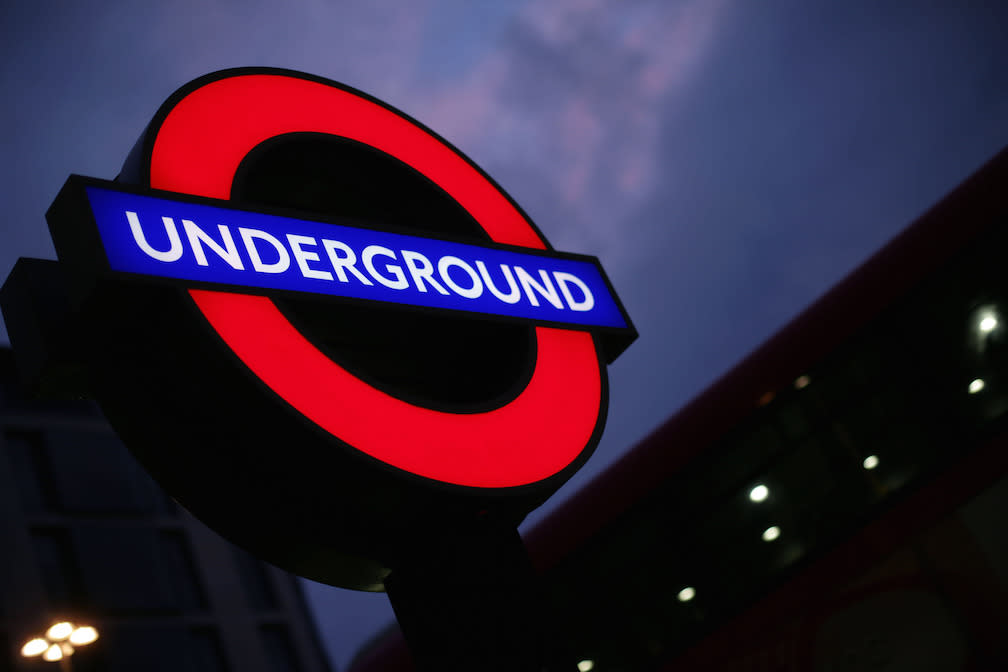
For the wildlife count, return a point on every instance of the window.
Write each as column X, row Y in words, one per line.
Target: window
column 128, row 647
column 205, row 652
column 255, row 580
column 179, row 571
column 120, row 566
column 94, row 473
column 280, row 654
column 32, row 471
column 58, row 565
column 133, row 568
column 6, row 664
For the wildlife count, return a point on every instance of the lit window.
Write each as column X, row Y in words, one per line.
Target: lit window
column 686, row 594
column 771, row 533
column 870, row 462
column 759, row 493
column 976, row 385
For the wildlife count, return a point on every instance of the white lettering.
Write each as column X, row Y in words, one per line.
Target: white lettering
column 546, row 289
column 302, row 256
column 401, row 269
column 249, row 236
column 513, row 295
column 174, row 252
column 422, row 271
column 468, row 292
column 345, row 263
column 198, row 237
column 368, row 255
column 562, row 281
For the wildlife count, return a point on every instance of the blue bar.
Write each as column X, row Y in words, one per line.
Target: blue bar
column 188, row 241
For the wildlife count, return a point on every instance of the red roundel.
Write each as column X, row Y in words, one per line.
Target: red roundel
column 197, row 150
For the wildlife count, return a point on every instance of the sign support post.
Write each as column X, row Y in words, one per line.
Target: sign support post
column 473, row 602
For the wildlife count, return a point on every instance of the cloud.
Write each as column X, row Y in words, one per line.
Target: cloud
column 569, row 108
column 85, row 80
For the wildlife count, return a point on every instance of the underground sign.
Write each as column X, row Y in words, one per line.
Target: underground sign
column 325, row 331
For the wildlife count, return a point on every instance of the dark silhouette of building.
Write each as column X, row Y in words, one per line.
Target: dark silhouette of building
column 837, row 501
column 87, row 536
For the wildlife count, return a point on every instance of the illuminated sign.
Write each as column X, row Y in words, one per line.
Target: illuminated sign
column 305, row 312
column 220, row 247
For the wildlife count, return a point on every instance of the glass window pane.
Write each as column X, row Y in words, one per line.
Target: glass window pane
column 120, row 566
column 280, row 654
column 32, row 472
column 135, row 568
column 58, row 565
column 179, row 571
column 255, row 580
column 94, row 473
column 6, row 661
column 128, row 648
column 205, row 652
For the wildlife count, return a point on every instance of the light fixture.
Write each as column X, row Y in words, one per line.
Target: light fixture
column 870, row 462
column 57, row 632
column 988, row 322
column 34, row 647
column 802, row 382
column 83, row 635
column 59, row 641
column 686, row 594
column 586, row 665
column 53, row 653
column 759, row 493
column 976, row 385
column 771, row 533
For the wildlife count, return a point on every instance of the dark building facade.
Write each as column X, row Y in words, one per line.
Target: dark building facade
column 837, row 501
column 87, row 536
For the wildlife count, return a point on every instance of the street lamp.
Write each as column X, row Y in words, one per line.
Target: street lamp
column 58, row 642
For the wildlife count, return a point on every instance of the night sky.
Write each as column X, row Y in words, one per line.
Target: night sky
column 728, row 162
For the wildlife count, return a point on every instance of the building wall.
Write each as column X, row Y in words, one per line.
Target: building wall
column 88, row 536
column 936, row 601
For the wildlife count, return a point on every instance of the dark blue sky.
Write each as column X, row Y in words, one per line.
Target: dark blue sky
column 728, row 162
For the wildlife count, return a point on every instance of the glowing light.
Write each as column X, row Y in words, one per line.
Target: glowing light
column 527, row 443
column 771, row 533
column 801, row 382
column 976, row 385
column 34, row 647
column 59, row 631
column 686, row 594
column 83, row 635
column 988, row 323
column 759, row 493
column 870, row 462
column 54, row 652
column 586, row 665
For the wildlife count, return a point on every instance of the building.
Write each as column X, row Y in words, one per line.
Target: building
column 89, row 537
column 837, row 501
